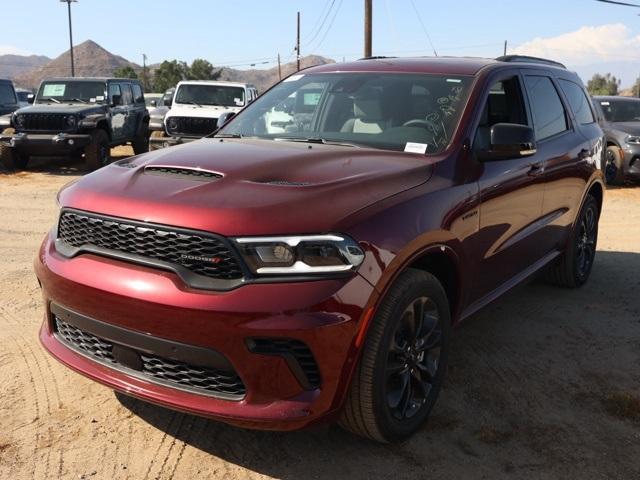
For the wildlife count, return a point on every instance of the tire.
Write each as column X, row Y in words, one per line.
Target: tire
column 97, row 152
column 157, row 134
column 389, row 377
column 140, row 143
column 574, row 266
column 9, row 157
column 613, row 166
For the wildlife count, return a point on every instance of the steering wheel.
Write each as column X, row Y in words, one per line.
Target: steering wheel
column 416, row 122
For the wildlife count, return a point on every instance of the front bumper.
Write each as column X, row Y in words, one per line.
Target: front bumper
column 631, row 160
column 35, row 144
column 325, row 315
column 164, row 142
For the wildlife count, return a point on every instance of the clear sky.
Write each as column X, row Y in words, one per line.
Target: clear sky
column 586, row 34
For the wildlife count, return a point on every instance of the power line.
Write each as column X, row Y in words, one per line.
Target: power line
column 317, row 29
column 424, row 28
column 328, row 28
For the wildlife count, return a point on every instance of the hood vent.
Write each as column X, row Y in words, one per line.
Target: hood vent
column 286, row 183
column 186, row 173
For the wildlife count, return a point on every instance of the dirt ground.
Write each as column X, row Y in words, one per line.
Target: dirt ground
column 541, row 384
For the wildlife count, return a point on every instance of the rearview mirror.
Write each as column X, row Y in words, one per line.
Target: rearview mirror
column 115, row 100
column 508, row 141
column 154, row 103
column 30, row 98
column 224, row 118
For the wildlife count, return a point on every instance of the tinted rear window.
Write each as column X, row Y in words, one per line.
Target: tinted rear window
column 6, row 94
column 578, row 101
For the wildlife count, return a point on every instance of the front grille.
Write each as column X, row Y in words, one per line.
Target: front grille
column 202, row 254
column 153, row 368
column 191, row 126
column 190, row 173
column 45, row 122
column 290, row 349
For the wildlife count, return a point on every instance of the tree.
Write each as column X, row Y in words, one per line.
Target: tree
column 168, row 74
column 201, row 69
column 125, row 72
column 603, row 85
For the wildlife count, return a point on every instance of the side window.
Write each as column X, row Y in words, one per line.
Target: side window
column 503, row 105
column 578, row 102
column 127, row 96
column 115, row 94
column 549, row 115
column 137, row 93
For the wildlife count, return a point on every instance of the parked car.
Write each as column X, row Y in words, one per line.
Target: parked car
column 75, row 116
column 25, row 97
column 195, row 109
column 8, row 97
column 279, row 280
column 153, row 100
column 619, row 117
column 157, row 113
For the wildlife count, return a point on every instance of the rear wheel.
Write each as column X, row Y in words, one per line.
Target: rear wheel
column 403, row 362
column 156, row 134
column 97, row 152
column 613, row 168
column 574, row 266
column 140, row 143
column 9, row 156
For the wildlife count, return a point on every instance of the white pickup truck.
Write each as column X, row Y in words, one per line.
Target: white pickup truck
column 196, row 107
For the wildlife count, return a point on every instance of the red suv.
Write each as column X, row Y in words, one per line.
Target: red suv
column 308, row 261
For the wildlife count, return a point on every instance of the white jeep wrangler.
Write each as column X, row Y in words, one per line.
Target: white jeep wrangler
column 196, row 107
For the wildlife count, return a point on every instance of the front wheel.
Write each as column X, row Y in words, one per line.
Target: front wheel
column 97, row 153
column 613, row 168
column 140, row 143
column 403, row 362
column 10, row 157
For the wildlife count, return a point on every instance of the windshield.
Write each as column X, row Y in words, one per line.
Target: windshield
column 23, row 96
column 210, row 95
column 6, row 94
column 148, row 98
column 391, row 111
column 621, row 110
column 71, row 91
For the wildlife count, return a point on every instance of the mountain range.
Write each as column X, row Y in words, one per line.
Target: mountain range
column 92, row 60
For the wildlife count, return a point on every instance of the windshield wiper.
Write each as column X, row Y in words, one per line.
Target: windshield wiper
column 78, row 100
column 51, row 99
column 319, row 140
column 194, row 103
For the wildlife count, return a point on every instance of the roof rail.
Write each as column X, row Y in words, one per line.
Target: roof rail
column 375, row 57
column 528, row 59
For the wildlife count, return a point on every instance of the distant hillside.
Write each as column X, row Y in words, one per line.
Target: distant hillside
column 12, row 65
column 91, row 60
column 263, row 79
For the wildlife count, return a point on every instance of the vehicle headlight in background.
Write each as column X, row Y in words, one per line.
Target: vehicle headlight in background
column 301, row 254
column 172, row 123
column 19, row 120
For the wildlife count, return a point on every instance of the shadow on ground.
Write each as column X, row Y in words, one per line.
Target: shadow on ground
column 524, row 396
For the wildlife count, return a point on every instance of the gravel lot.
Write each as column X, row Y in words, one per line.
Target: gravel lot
column 541, row 384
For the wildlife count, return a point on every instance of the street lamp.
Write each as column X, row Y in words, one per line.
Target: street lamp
column 68, row 2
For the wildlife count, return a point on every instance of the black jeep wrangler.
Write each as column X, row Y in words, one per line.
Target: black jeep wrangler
column 75, row 116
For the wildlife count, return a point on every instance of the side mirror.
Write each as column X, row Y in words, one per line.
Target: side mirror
column 116, row 100
column 30, row 98
column 508, row 141
column 224, row 118
column 154, row 103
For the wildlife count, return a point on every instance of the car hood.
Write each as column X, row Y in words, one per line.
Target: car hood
column 199, row 112
column 67, row 108
column 632, row 128
column 267, row 187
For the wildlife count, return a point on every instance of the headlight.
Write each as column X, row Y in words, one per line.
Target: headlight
column 172, row 124
column 19, row 120
column 633, row 139
column 71, row 120
column 301, row 254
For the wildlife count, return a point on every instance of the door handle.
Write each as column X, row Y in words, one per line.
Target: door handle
column 536, row 168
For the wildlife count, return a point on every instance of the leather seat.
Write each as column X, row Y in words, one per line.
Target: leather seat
column 368, row 116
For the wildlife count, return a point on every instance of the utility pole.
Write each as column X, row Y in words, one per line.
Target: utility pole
column 145, row 83
column 368, row 15
column 73, row 68
column 505, row 48
column 279, row 69
column 298, row 43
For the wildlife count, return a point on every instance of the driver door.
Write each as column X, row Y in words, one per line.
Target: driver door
column 118, row 112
